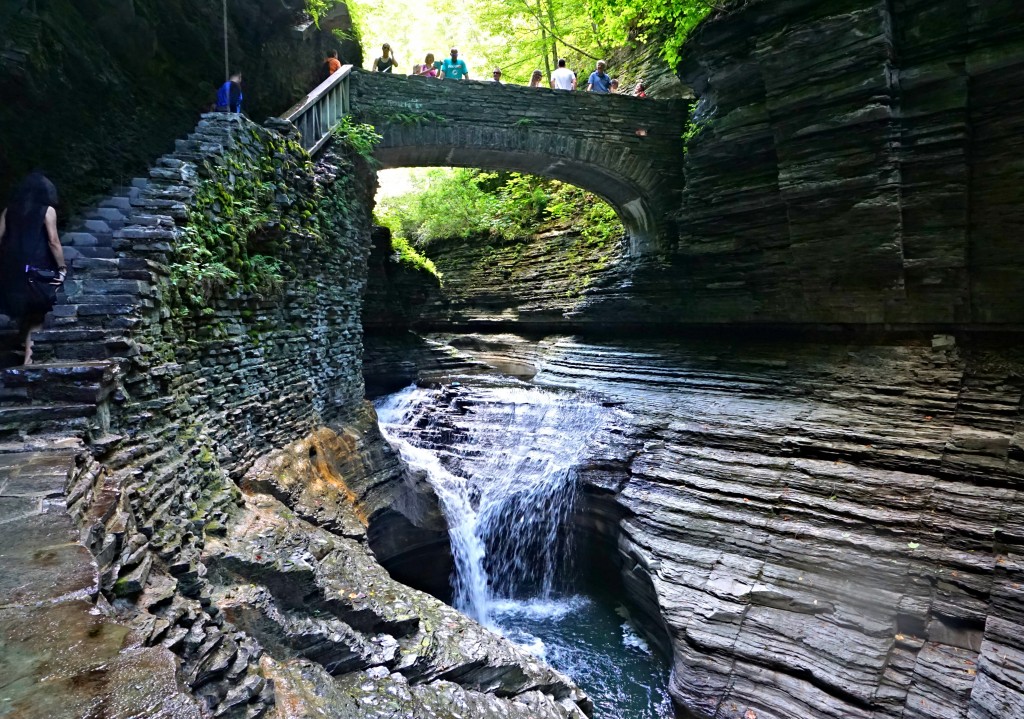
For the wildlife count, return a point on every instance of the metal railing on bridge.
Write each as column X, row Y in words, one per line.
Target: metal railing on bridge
column 320, row 111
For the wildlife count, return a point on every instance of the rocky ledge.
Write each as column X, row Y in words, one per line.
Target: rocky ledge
column 341, row 637
column 814, row 530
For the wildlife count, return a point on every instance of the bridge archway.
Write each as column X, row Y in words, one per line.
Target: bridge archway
column 623, row 149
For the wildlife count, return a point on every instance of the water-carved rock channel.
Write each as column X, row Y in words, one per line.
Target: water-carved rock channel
column 807, row 529
column 503, row 456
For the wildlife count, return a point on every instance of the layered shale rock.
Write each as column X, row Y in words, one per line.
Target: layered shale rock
column 321, row 605
column 814, row 530
column 854, row 162
column 534, row 282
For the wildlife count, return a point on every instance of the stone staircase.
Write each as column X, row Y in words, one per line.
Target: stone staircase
column 104, row 289
column 56, row 399
column 113, row 250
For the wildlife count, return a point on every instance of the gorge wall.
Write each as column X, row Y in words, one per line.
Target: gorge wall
column 854, row 163
column 813, row 530
column 94, row 90
column 859, row 163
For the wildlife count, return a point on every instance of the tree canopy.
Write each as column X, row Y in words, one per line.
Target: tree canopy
column 520, row 36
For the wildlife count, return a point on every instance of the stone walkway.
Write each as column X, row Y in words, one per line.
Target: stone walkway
column 59, row 656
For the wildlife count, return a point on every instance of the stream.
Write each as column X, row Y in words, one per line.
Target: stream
column 502, row 456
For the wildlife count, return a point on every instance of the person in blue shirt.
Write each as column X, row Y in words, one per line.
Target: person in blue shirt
column 229, row 96
column 453, row 68
column 599, row 81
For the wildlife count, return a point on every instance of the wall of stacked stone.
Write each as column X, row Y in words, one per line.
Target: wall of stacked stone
column 203, row 393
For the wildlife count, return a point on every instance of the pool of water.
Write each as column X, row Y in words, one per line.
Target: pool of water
column 592, row 641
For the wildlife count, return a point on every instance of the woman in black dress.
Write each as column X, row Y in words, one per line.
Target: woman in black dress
column 30, row 256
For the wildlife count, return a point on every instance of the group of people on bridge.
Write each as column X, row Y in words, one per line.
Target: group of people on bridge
column 229, row 95
column 454, row 68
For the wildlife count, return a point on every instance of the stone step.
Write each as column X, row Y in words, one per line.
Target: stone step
column 142, row 219
column 51, row 335
column 118, row 202
column 167, row 174
column 170, row 162
column 79, row 239
column 68, row 418
column 108, row 213
column 95, row 252
column 113, row 217
column 67, row 382
column 96, row 226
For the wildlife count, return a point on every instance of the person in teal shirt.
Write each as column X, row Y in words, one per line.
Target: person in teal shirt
column 453, row 68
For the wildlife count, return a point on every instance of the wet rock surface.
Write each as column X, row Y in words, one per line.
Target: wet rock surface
column 321, row 605
column 819, row 530
column 60, row 654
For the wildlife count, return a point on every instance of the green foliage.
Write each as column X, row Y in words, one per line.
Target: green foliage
column 319, row 8
column 694, row 129
column 666, row 22
column 452, row 206
column 239, row 223
column 359, row 136
column 461, row 204
column 534, row 34
column 520, row 36
column 593, row 218
column 217, row 248
column 408, row 255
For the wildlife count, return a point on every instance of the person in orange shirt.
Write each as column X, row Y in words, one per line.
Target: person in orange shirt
column 333, row 63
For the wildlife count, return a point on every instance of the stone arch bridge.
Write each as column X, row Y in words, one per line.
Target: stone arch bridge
column 627, row 150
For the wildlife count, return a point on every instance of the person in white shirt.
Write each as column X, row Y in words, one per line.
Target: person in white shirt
column 563, row 78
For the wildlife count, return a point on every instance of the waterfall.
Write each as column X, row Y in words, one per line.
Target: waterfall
column 503, row 462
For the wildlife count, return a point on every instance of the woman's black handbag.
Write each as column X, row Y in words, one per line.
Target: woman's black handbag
column 43, row 286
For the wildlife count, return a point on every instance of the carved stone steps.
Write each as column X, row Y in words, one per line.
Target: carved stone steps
column 61, row 397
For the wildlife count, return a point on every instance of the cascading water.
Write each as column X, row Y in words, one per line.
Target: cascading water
column 507, row 503
column 502, row 457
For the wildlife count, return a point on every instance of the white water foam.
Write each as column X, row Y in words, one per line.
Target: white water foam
column 506, row 481
column 632, row 640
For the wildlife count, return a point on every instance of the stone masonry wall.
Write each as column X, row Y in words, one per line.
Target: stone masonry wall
column 621, row 148
column 203, row 394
